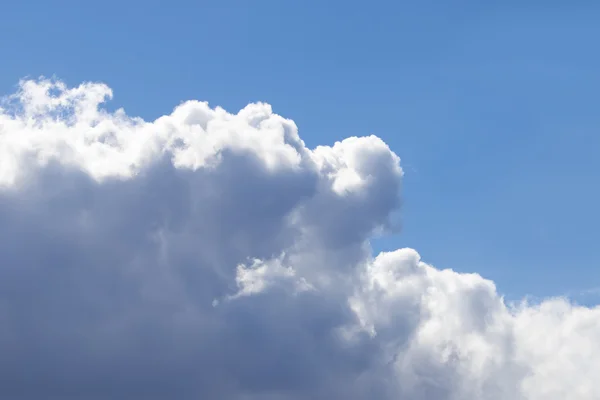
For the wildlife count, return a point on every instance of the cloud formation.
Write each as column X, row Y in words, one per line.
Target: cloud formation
column 213, row 255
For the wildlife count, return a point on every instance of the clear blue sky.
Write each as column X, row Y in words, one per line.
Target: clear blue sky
column 492, row 106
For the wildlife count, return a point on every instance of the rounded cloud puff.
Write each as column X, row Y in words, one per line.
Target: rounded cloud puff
column 213, row 255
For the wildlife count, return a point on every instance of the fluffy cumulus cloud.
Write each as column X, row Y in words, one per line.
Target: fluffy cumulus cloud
column 213, row 255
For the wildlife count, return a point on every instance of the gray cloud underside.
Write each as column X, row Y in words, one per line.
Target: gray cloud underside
column 213, row 255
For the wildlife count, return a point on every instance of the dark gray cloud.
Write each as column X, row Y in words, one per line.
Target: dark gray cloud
column 213, row 255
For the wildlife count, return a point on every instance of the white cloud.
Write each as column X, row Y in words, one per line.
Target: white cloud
column 209, row 254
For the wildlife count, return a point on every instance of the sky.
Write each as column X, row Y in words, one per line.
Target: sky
column 177, row 231
column 490, row 106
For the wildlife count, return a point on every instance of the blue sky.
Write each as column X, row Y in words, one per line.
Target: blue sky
column 492, row 107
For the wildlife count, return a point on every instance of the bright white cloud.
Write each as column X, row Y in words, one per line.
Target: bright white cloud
column 209, row 254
